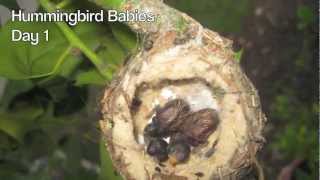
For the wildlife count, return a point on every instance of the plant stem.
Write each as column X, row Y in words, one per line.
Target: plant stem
column 57, row 66
column 55, row 70
column 110, row 4
column 75, row 41
column 63, row 4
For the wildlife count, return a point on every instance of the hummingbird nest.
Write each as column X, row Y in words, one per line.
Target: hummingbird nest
column 218, row 127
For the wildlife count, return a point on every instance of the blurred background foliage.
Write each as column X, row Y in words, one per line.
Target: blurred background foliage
column 49, row 94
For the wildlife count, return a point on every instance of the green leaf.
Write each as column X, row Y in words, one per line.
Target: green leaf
column 305, row 16
column 10, row 4
column 53, row 125
column 67, row 98
column 106, row 46
column 238, row 55
column 107, row 170
column 14, row 88
column 114, row 4
column 57, row 88
column 90, row 77
column 16, row 124
column 69, row 65
column 90, row 33
column 125, row 36
column 111, row 50
column 21, row 60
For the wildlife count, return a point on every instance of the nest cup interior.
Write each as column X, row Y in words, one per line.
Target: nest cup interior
column 196, row 93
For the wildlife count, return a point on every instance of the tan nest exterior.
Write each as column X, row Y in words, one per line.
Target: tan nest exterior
column 198, row 67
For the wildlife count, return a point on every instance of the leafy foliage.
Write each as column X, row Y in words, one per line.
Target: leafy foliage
column 296, row 106
column 47, row 128
column 238, row 55
column 21, row 60
column 305, row 16
column 106, row 164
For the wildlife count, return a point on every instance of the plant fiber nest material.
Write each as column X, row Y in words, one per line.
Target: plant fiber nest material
column 196, row 65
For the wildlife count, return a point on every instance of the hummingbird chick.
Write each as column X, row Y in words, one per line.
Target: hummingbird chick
column 178, row 152
column 158, row 149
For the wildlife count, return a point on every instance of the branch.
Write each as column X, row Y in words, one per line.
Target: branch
column 166, row 18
